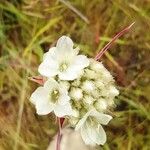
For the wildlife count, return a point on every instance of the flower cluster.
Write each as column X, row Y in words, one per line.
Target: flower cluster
column 78, row 88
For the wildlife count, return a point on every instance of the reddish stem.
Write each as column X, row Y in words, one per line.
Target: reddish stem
column 107, row 46
column 59, row 135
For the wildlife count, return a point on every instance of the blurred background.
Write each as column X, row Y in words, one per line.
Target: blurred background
column 28, row 28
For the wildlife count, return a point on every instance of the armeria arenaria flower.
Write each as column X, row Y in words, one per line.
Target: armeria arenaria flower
column 51, row 97
column 77, row 87
column 63, row 61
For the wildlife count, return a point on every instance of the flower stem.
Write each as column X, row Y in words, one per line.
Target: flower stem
column 58, row 135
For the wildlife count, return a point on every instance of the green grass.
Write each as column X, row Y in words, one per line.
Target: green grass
column 29, row 27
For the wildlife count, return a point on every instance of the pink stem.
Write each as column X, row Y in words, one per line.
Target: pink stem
column 58, row 135
column 107, row 46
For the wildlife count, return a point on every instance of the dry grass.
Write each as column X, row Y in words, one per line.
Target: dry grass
column 29, row 27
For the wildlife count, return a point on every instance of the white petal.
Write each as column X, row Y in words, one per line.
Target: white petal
column 82, row 121
column 63, row 110
column 64, row 43
column 75, row 69
column 96, row 133
column 102, row 118
column 44, row 108
column 38, row 95
column 51, row 84
column 86, row 138
column 70, row 74
column 63, row 99
column 50, row 54
column 48, row 69
column 40, row 99
column 49, row 66
column 101, row 132
column 81, row 62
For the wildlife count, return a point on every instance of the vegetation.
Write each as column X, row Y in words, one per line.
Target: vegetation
column 28, row 28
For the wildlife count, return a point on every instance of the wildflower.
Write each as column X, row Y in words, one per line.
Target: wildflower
column 90, row 127
column 63, row 61
column 51, row 97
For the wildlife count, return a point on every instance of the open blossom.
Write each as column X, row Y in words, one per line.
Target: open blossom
column 51, row 97
column 63, row 61
column 90, row 127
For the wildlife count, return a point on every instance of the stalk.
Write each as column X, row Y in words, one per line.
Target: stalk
column 107, row 46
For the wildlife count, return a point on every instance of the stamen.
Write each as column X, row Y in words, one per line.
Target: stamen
column 54, row 95
column 63, row 67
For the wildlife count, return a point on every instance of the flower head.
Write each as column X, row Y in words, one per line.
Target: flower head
column 63, row 61
column 51, row 97
column 77, row 87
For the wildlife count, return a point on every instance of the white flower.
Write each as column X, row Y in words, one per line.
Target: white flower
column 63, row 61
column 51, row 97
column 90, row 127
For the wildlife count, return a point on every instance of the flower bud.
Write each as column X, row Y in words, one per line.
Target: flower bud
column 88, row 86
column 99, row 84
column 73, row 120
column 88, row 100
column 113, row 91
column 96, row 66
column 90, row 74
column 76, row 83
column 101, row 105
column 75, row 113
column 76, row 93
